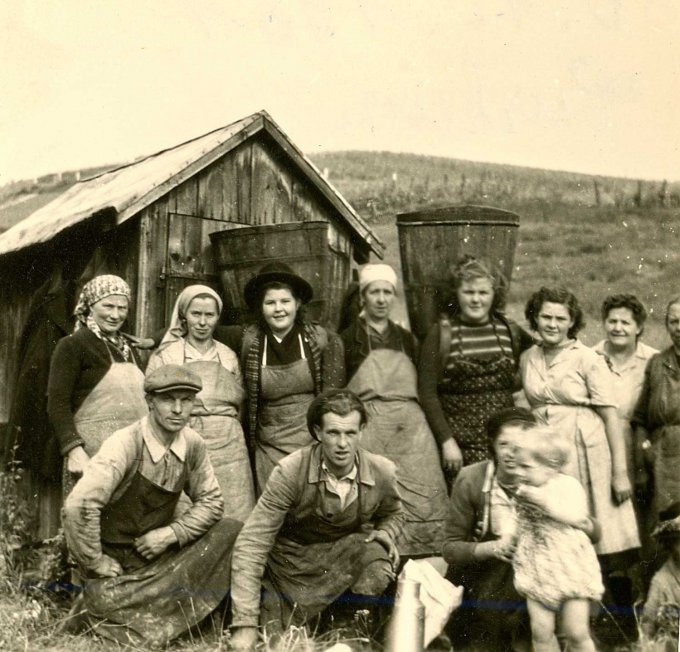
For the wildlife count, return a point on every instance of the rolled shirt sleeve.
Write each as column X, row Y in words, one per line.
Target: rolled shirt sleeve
column 108, row 475
column 104, row 473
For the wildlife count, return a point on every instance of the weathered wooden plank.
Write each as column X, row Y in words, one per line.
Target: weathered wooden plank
column 325, row 188
column 186, row 197
column 224, row 187
column 272, row 201
column 243, row 160
column 204, row 161
column 123, row 250
column 152, row 258
column 215, row 190
column 306, row 206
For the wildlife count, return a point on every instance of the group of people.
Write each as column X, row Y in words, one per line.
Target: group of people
column 287, row 465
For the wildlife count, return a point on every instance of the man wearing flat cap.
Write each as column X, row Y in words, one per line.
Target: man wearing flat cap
column 150, row 574
column 326, row 524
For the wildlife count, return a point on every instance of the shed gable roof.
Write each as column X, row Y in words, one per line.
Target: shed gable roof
column 133, row 187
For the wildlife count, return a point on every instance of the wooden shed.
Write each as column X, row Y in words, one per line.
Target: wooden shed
column 150, row 221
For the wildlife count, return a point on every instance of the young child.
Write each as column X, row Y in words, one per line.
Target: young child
column 555, row 565
column 660, row 614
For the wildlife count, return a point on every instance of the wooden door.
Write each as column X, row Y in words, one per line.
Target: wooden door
column 188, row 256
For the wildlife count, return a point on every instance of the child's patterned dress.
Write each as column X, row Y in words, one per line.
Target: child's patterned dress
column 554, row 562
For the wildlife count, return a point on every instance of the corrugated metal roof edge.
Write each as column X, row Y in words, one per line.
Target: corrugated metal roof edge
column 193, row 168
column 260, row 120
column 138, row 203
column 141, row 159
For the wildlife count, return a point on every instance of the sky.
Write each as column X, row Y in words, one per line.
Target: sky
column 570, row 85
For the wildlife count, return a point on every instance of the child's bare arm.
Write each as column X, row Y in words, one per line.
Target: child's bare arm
column 562, row 500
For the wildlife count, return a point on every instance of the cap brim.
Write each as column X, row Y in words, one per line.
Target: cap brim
column 163, row 390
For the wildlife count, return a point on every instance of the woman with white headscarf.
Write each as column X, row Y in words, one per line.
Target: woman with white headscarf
column 189, row 341
column 95, row 384
column 380, row 360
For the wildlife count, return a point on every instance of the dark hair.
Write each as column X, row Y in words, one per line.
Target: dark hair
column 338, row 401
column 628, row 301
column 674, row 301
column 511, row 416
column 278, row 285
column 469, row 268
column 555, row 295
column 668, row 535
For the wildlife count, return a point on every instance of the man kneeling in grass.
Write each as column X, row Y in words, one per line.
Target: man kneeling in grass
column 149, row 575
column 325, row 524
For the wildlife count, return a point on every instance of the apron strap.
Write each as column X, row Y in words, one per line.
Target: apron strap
column 368, row 337
column 303, row 356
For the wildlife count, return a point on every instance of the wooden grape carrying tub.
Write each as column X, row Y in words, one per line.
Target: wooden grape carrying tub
column 304, row 246
column 432, row 241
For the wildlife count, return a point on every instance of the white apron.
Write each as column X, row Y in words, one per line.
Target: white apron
column 115, row 402
column 215, row 417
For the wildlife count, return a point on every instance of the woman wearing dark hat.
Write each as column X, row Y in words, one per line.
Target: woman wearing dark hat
column 286, row 360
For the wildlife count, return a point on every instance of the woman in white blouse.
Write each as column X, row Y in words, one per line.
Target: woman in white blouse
column 623, row 320
column 189, row 341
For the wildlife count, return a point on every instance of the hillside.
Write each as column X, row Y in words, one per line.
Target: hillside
column 380, row 183
column 376, row 183
column 598, row 235
column 628, row 243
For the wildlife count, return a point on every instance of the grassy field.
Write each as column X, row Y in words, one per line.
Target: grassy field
column 595, row 235
column 594, row 252
column 624, row 237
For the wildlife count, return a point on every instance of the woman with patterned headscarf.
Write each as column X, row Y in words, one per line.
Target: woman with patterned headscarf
column 189, row 341
column 95, row 385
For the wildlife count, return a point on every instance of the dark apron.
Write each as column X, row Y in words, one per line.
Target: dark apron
column 473, row 390
column 285, row 394
column 315, row 560
column 664, row 410
column 143, row 507
column 155, row 601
